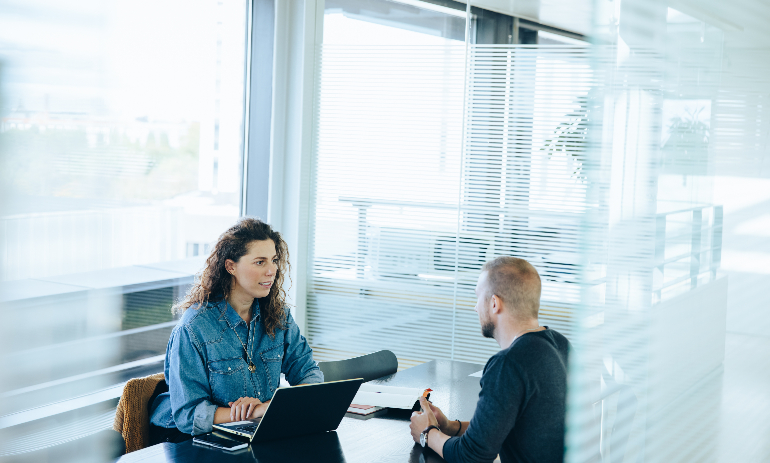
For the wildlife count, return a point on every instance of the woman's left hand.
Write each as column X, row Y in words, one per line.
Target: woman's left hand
column 247, row 408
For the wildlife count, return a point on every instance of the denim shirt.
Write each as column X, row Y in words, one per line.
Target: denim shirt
column 207, row 367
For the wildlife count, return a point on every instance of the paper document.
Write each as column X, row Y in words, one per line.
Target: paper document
column 387, row 396
column 477, row 374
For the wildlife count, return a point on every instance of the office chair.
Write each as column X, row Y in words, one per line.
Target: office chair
column 369, row 366
column 132, row 418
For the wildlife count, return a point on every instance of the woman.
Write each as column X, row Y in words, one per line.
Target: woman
column 234, row 339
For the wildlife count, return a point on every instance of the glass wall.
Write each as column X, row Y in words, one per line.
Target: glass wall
column 631, row 171
column 434, row 154
column 121, row 129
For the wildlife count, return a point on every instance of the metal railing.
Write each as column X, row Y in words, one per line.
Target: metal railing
column 688, row 249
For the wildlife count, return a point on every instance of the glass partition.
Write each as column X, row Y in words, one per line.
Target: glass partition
column 618, row 146
column 121, row 138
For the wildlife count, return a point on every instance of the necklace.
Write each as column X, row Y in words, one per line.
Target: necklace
column 252, row 367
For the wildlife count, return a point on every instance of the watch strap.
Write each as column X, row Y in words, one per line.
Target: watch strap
column 427, row 430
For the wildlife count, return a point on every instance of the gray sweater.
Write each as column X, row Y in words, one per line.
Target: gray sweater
column 522, row 404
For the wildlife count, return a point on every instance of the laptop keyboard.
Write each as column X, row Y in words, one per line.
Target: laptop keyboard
column 247, row 428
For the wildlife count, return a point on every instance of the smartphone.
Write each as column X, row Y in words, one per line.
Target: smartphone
column 214, row 439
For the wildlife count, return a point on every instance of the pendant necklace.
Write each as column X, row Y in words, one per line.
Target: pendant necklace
column 252, row 367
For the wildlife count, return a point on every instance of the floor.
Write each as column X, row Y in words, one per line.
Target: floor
column 744, row 431
column 745, row 407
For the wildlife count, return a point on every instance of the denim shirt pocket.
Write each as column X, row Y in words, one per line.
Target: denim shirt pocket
column 272, row 357
column 228, row 379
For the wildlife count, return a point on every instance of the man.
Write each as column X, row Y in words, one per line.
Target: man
column 522, row 404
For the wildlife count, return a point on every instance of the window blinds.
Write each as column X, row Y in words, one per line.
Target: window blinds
column 429, row 162
column 387, row 183
column 590, row 162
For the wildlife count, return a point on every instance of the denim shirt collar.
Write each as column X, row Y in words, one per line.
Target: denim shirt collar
column 232, row 318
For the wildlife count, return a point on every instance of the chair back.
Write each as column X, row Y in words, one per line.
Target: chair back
column 132, row 417
column 369, row 366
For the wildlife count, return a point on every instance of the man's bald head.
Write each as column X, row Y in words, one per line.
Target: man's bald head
column 516, row 282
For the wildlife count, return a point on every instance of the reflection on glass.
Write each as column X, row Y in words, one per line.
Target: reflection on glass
column 433, row 157
column 632, row 167
column 120, row 130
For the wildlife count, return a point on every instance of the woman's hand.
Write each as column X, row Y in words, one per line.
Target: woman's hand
column 247, row 408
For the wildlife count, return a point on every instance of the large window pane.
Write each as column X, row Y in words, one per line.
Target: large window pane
column 631, row 172
column 121, row 138
column 390, row 92
column 432, row 157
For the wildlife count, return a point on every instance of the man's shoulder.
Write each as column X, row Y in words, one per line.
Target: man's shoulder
column 533, row 357
column 501, row 361
column 535, row 347
column 561, row 343
column 539, row 340
column 558, row 336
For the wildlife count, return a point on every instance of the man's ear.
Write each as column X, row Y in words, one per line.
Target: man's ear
column 496, row 306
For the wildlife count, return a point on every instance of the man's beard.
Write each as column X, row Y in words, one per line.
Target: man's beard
column 488, row 329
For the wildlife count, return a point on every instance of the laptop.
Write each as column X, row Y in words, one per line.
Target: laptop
column 298, row 410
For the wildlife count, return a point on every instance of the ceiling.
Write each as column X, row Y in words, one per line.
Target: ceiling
column 744, row 22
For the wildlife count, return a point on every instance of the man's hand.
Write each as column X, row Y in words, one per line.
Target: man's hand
column 442, row 420
column 247, row 408
column 421, row 420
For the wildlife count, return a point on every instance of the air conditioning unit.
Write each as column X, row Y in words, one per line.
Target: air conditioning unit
column 412, row 253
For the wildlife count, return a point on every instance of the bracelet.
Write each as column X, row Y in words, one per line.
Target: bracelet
column 459, row 428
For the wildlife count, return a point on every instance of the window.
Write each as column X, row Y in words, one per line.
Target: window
column 122, row 131
column 595, row 163
column 427, row 166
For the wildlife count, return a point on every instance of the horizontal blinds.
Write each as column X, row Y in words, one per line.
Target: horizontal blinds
column 594, row 163
column 523, row 189
column 429, row 162
column 651, row 329
column 387, row 183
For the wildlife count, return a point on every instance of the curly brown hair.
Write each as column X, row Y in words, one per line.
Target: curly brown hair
column 213, row 283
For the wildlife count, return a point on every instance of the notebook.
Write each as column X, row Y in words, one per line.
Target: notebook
column 363, row 409
column 372, row 397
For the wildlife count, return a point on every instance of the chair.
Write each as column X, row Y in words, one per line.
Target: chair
column 132, row 418
column 369, row 366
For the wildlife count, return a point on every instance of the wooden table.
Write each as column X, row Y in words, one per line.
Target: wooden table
column 383, row 437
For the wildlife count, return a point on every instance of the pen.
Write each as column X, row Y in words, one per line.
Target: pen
column 426, row 394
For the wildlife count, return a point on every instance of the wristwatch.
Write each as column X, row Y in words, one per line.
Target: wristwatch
column 424, row 435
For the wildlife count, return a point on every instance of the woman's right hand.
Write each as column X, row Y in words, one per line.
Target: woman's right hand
column 246, row 408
